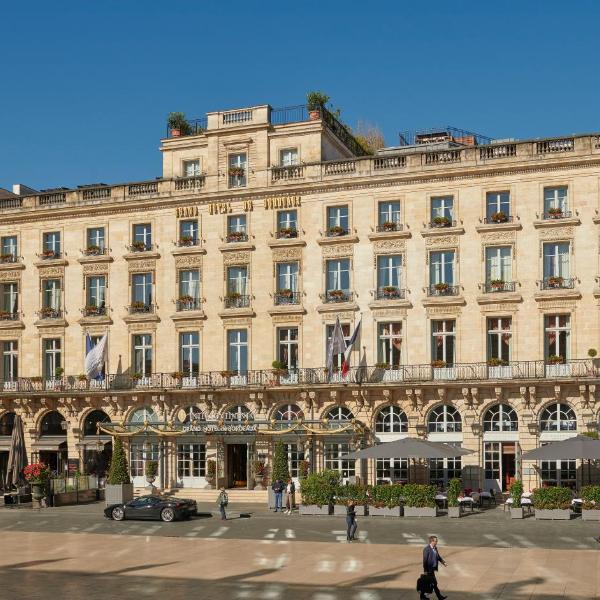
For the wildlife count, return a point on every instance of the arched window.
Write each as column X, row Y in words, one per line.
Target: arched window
column 338, row 416
column 143, row 414
column 444, row 419
column 391, row 419
column 289, row 412
column 500, row 417
column 93, row 418
column 558, row 417
column 193, row 414
column 7, row 423
column 238, row 413
column 52, row 424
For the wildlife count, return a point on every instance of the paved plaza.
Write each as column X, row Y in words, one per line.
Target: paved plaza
column 75, row 553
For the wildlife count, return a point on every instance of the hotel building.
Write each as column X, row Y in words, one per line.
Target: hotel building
column 473, row 264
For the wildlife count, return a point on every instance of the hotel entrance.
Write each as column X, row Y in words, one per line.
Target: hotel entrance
column 500, row 465
column 237, row 465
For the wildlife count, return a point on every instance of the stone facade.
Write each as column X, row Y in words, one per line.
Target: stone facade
column 536, row 318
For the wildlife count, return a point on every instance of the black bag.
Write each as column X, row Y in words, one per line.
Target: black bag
column 425, row 584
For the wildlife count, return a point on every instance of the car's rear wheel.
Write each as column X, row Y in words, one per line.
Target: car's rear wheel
column 118, row 514
column 167, row 515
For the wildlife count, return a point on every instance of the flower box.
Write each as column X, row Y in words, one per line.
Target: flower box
column 425, row 511
column 499, row 217
column 313, row 509
column 557, row 514
column 454, row 512
column 590, row 515
column 516, row 513
column 118, row 494
column 384, row 511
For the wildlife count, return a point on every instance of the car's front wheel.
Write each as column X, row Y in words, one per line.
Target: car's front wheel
column 118, row 514
column 167, row 515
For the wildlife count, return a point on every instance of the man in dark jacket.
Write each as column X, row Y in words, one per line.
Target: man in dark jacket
column 431, row 560
column 278, row 488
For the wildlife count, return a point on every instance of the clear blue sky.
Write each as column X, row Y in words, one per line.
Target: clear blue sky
column 86, row 86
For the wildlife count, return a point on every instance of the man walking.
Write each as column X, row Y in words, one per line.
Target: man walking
column 222, row 502
column 431, row 559
column 278, row 488
column 351, row 523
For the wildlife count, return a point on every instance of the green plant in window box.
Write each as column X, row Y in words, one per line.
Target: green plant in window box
column 6, row 257
column 236, row 171
column 497, row 284
column 48, row 254
column 227, row 374
column 590, row 494
column 59, row 372
column 552, row 498
column 499, row 217
column 555, row 281
column 438, row 364
column 177, row 375
column 497, row 362
column 288, row 232
column 554, row 359
column 186, row 240
column 389, row 226
column 336, row 293
column 336, row 230
column 382, row 365
column 418, row 495
column 390, row 291
column 47, row 311
column 93, row 249
column 441, row 287
column 233, row 296
column 441, row 221
column 555, row 211
column 82, row 377
column 4, row 314
column 136, row 376
column 186, row 298
column 138, row 246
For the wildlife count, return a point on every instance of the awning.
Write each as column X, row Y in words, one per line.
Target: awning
column 577, row 447
column 50, row 444
column 410, row 448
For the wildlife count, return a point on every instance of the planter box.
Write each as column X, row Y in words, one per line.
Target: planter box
column 413, row 511
column 67, row 498
column 590, row 515
column 556, row 514
column 455, row 512
column 118, row 494
column 384, row 511
column 516, row 513
column 313, row 509
column 340, row 510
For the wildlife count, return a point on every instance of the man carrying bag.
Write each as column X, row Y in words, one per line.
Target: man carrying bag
column 431, row 559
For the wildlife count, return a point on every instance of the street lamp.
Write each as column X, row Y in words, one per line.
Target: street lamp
column 533, row 428
column 477, row 429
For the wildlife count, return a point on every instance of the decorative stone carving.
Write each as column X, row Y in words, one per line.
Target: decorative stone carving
column 466, row 397
column 557, row 393
column 591, row 394
column 10, row 275
column 524, row 396
column 551, row 304
column 239, row 321
column 498, row 237
column 53, row 331
column 330, row 318
column 498, row 391
column 389, row 246
column 188, row 261
column 146, row 326
column 557, row 233
column 500, row 307
column 389, row 312
column 442, row 241
column 532, row 395
column 475, row 395
column 95, row 268
column 141, row 265
column 443, row 310
column 337, row 250
column 48, row 272
column 236, row 258
column 282, row 254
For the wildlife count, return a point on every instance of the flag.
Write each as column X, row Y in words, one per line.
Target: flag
column 95, row 356
column 337, row 345
column 348, row 351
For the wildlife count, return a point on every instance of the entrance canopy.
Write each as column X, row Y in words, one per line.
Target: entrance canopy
column 573, row 448
column 410, row 448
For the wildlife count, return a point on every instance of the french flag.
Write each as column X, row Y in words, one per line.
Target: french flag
column 349, row 346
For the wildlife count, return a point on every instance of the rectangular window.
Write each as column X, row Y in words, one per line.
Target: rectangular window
column 561, row 473
column 191, row 168
column 389, row 214
column 10, row 360
column 287, row 223
column 189, row 285
column 287, row 347
column 8, row 248
column 557, row 336
column 191, row 460
column 498, row 264
column 142, row 236
column 337, row 220
column 556, row 202
column 52, row 247
column 141, row 288
column 95, row 339
column 51, row 294
column 497, row 208
column 392, row 470
column 237, row 280
column 295, row 454
column 236, row 228
column 95, row 239
column 442, row 211
column 499, row 339
column 337, row 359
column 557, row 260
column 442, row 470
column 188, row 232
column 189, row 353
column 142, row 354
column 287, row 276
column 52, row 357
column 9, row 299
column 288, row 157
column 389, row 343
column 237, row 350
column 441, row 267
column 492, row 458
column 389, row 272
column 338, row 275
column 96, row 291
column 443, row 341
column 334, row 461
column 238, row 169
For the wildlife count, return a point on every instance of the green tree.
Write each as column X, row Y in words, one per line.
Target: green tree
column 118, row 473
column 280, row 463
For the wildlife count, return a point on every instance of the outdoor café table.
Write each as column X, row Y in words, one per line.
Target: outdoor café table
column 525, row 502
column 466, row 500
column 442, row 499
column 485, row 496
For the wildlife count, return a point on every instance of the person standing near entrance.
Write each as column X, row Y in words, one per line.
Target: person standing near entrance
column 223, row 501
column 431, row 559
column 351, row 523
column 290, row 496
column 278, row 488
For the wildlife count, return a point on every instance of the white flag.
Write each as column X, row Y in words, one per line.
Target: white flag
column 95, row 358
column 337, row 345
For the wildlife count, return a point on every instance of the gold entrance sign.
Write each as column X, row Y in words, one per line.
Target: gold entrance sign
column 282, row 202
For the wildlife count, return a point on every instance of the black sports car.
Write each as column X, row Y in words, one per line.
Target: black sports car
column 161, row 508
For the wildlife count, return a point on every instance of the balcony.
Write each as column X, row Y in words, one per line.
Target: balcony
column 94, row 311
column 389, row 292
column 286, row 233
column 497, row 286
column 50, row 313
column 9, row 259
column 498, row 218
column 494, row 151
column 140, row 248
column 235, row 300
column 286, row 297
column 187, row 303
column 196, row 182
column 557, row 213
column 336, row 231
column 443, row 289
column 6, row 315
column 140, row 308
column 389, row 227
column 557, row 283
column 234, row 237
column 93, row 251
column 287, row 173
column 555, row 146
column 337, row 296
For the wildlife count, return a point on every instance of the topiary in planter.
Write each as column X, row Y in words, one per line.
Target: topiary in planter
column 454, row 488
column 280, row 463
column 118, row 473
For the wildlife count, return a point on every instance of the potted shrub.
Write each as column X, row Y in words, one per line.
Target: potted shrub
column 119, row 488
column 554, row 359
column 186, row 299
column 497, row 284
column 4, row 314
column 552, row 503
column 186, row 240
column 441, row 221
column 178, row 376
column 390, row 291
column 389, row 226
column 318, row 490
column 555, row 212
column 93, row 249
column 315, row 102
column 441, row 287
column 48, row 254
column 178, row 124
column 279, row 368
column 260, row 474
column 555, row 281
column 454, row 488
column 137, row 306
column 138, row 246
column 151, row 471
column 516, row 491
column 288, row 232
column 344, row 493
column 499, row 217
column 82, row 377
column 419, row 500
column 235, row 236
column 47, row 312
column 385, row 500
column 59, row 372
column 236, row 171
column 303, row 469
column 336, row 294
column 211, row 472
column 37, row 475
column 286, row 293
column 6, row 257
column 590, row 494
column 336, row 230
column 497, row 362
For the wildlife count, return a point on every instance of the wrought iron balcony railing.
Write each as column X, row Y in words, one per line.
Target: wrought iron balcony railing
column 185, row 304
column 332, row 296
column 498, row 219
column 389, row 292
column 7, row 315
column 186, row 241
column 94, row 251
column 236, row 236
column 557, row 214
column 443, row 289
column 94, row 311
column 557, row 283
column 9, row 258
column 336, row 231
column 236, row 301
column 494, row 286
column 137, row 308
column 286, row 233
column 140, row 247
column 50, row 313
column 284, row 297
column 441, row 223
column 50, row 255
column 389, row 226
